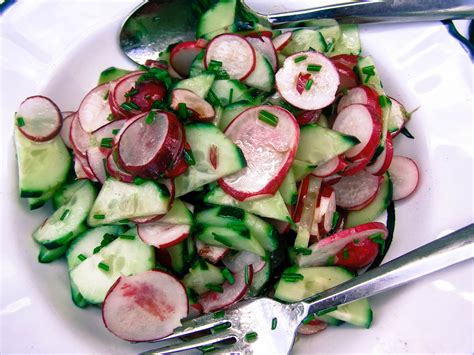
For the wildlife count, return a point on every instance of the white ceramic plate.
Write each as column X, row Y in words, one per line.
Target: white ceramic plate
column 58, row 48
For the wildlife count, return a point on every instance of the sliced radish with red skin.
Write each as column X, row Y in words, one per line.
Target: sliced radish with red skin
column 269, row 151
column 202, row 111
column 383, row 161
column 234, row 52
column 257, row 34
column 210, row 252
column 349, row 60
column 150, row 63
column 308, row 117
column 39, row 119
column 118, row 91
column 82, row 168
column 163, row 235
column 325, row 81
column 116, row 171
column 330, row 246
column 213, row 301
column 302, row 192
column 355, row 167
column 331, row 167
column 280, row 41
column 66, row 128
column 97, row 160
column 264, row 45
column 355, row 191
column 146, row 93
column 332, row 179
column 404, row 175
column 146, row 149
column 144, row 307
column 326, row 208
column 239, row 261
column 195, row 310
column 312, row 327
column 362, row 122
column 94, row 111
column 363, row 95
column 348, row 79
column 179, row 168
column 399, row 115
column 109, row 131
column 173, row 73
column 357, row 255
column 182, row 56
column 80, row 139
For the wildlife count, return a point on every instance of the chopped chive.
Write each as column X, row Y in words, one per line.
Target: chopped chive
column 407, row 133
column 384, row 101
column 292, row 276
column 304, row 251
column 104, row 266
column 251, row 336
column 313, row 67
column 129, row 106
column 110, row 117
column 65, row 214
column 220, row 327
column 20, row 121
column 323, row 41
column 192, row 295
column 82, row 257
column 96, row 249
column 106, row 142
column 213, row 99
column 182, row 110
column 189, row 157
column 215, row 288
column 324, row 311
column 127, row 236
column 214, row 65
column 207, row 348
column 222, row 75
column 246, row 274
column 308, row 319
column 203, row 264
column 356, row 241
column 330, row 260
column 335, row 219
column 124, row 220
column 222, row 240
column 228, row 276
column 274, row 323
column 231, row 93
column 377, row 238
column 148, row 97
column 300, row 58
column 106, row 96
column 132, row 92
column 99, row 216
column 139, row 181
column 115, row 131
column 345, row 253
column 268, row 118
column 369, row 70
column 308, row 85
column 219, row 314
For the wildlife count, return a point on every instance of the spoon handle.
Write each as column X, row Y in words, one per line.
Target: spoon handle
column 365, row 11
column 441, row 253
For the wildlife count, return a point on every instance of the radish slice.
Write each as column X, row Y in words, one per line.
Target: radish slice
column 355, row 191
column 212, row 301
column 331, row 167
column 234, row 52
column 324, row 86
column 144, row 307
column 66, row 128
column 118, row 91
column 363, row 123
column 97, row 160
column 116, row 171
column 398, row 117
column 182, row 56
column 212, row 253
column 79, row 138
column 195, row 310
column 150, row 143
column 330, row 246
column 163, row 235
column 264, row 45
column 332, row 179
column 356, row 166
column 349, row 60
column 325, row 210
column 312, row 327
column 269, row 151
column 348, row 79
column 363, row 95
column 104, row 137
column 308, row 117
column 202, row 110
column 280, row 41
column 150, row 63
column 383, row 161
column 94, row 111
column 39, row 119
column 239, row 261
column 82, row 168
column 405, row 175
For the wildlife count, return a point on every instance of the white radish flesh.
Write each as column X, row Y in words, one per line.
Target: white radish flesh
column 264, row 45
column 280, row 41
column 404, row 175
column 355, row 191
column 163, row 235
column 66, row 128
column 94, row 111
column 80, row 139
column 202, row 110
column 182, row 56
column 331, row 167
column 239, row 261
column 383, row 161
column 363, row 95
column 210, row 252
column 97, row 160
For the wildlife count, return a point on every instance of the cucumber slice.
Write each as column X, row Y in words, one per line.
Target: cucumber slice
column 349, row 41
column 270, row 207
column 375, row 208
column 197, row 66
column 201, row 274
column 288, row 189
column 122, row 257
column 318, row 279
column 177, row 254
column 48, row 255
column 68, row 221
column 262, row 77
column 65, row 192
column 229, row 91
column 42, row 167
column 233, row 217
column 323, row 121
column 199, row 84
column 111, row 74
column 318, row 144
column 77, row 298
column 371, row 76
column 37, row 202
column 178, row 214
column 259, row 280
column 303, row 40
column 206, row 139
column 118, row 201
column 213, row 21
column 301, row 169
column 229, row 238
column 232, row 111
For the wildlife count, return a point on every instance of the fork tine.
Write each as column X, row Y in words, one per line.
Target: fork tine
column 192, row 344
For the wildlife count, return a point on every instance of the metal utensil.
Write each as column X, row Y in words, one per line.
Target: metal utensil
column 155, row 24
column 277, row 337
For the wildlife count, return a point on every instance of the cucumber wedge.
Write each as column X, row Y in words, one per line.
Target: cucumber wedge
column 349, row 41
column 301, row 169
column 288, row 189
column 259, row 280
column 197, row 66
column 77, row 298
column 263, row 77
column 303, row 40
column 201, row 274
column 229, row 91
column 111, row 74
column 213, row 21
column 200, row 84
column 48, row 255
column 65, row 192
column 37, row 202
column 232, row 111
column 178, row 214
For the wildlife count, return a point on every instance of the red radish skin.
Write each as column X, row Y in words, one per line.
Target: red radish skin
column 66, row 128
column 195, row 310
column 264, row 45
column 213, row 301
column 118, row 91
column 328, row 247
column 150, row 63
column 117, row 172
column 331, row 167
column 268, row 150
column 209, row 252
column 325, row 81
column 82, row 168
column 148, row 93
column 179, row 168
column 356, row 191
column 355, row 167
column 326, row 209
column 405, row 175
column 308, row 117
column 302, row 192
column 145, row 307
column 349, row 60
column 383, row 161
column 332, row 179
column 162, row 235
column 280, row 41
column 357, row 254
column 80, row 139
column 202, row 111
column 234, row 52
column 257, row 34
column 362, row 122
column 239, row 261
column 97, row 160
column 182, row 56
column 94, row 111
column 39, row 119
column 312, row 327
column 363, row 95
column 348, row 79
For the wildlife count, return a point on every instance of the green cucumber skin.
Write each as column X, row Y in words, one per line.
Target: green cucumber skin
column 49, row 255
column 111, row 74
column 288, row 189
column 77, row 298
column 219, row 16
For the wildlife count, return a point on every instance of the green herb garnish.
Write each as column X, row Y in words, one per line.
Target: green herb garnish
column 219, row 314
column 407, row 133
column 82, row 257
column 192, row 295
column 324, row 311
column 274, row 323
column 182, row 110
column 115, row 131
column 228, row 276
column 291, row 276
column 104, row 266
column 132, row 92
column 251, row 336
column 330, row 260
column 20, row 121
column 303, row 251
column 139, row 181
column 308, row 85
column 127, row 236
column 110, row 117
column 213, row 99
column 313, row 67
column 220, row 327
column 268, row 118
column 215, row 288
column 246, row 275
column 300, row 58
column 106, row 142
column 129, row 106
column 99, row 216
column 106, row 96
column 231, row 93
column 222, row 240
column 65, row 214
column 345, row 253
column 384, row 101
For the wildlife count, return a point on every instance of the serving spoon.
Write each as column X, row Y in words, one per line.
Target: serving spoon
column 155, row 24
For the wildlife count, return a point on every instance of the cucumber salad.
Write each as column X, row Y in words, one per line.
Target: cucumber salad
column 248, row 162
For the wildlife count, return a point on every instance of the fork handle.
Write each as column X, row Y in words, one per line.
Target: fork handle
column 363, row 11
column 441, row 253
